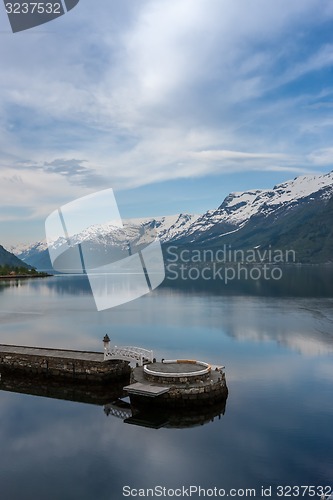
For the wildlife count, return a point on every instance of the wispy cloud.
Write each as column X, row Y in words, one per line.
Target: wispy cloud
column 159, row 90
column 322, row 157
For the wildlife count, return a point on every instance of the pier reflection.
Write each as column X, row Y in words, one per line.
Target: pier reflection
column 177, row 418
column 114, row 402
column 77, row 392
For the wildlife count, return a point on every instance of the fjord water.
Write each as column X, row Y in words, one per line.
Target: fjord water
column 277, row 347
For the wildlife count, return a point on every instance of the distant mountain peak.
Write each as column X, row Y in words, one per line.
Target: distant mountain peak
column 9, row 259
column 238, row 211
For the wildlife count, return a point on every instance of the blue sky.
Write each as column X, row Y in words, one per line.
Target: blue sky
column 172, row 103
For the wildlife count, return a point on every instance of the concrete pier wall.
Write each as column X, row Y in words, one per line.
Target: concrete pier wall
column 73, row 365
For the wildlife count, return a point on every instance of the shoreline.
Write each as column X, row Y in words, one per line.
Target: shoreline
column 24, row 276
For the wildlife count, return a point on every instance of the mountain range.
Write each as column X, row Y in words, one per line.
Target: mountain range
column 295, row 215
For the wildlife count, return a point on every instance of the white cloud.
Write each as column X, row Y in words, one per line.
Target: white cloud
column 37, row 192
column 322, row 157
column 235, row 155
column 160, row 90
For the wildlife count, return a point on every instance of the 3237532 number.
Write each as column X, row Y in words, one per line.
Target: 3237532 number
column 33, row 8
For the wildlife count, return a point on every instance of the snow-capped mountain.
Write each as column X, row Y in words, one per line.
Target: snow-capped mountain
column 136, row 232
column 9, row 259
column 25, row 250
column 239, row 207
column 260, row 216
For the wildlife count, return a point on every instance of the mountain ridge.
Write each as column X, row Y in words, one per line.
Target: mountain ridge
column 10, row 260
column 288, row 215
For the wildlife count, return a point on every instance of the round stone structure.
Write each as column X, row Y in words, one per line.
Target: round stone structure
column 177, row 371
column 178, row 383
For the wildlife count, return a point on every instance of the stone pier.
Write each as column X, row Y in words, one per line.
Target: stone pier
column 83, row 366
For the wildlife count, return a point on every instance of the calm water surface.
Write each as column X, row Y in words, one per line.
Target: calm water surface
column 277, row 426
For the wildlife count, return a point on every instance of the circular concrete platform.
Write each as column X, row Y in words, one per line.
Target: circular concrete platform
column 181, row 370
column 177, row 383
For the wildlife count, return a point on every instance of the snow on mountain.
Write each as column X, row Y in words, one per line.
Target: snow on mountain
column 165, row 227
column 173, row 226
column 238, row 207
column 23, row 250
column 232, row 215
column 9, row 259
column 303, row 187
column 241, row 206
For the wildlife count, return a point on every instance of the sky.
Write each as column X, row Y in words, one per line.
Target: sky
column 172, row 103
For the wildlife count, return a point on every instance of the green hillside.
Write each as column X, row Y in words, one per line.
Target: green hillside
column 10, row 260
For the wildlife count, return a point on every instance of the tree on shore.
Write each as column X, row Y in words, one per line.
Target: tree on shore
column 6, row 270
